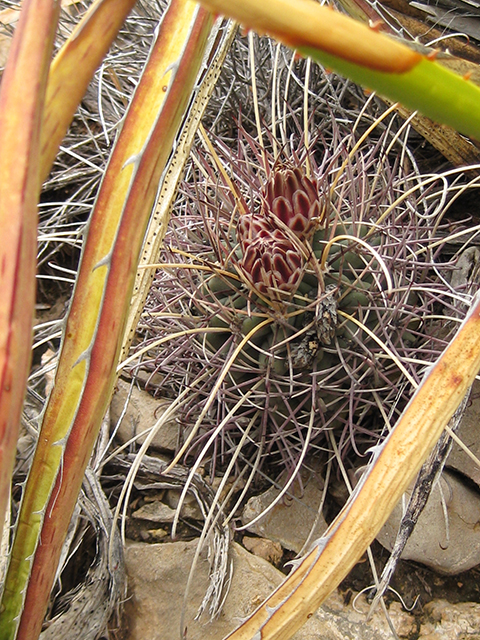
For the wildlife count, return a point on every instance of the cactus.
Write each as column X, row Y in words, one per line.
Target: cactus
column 302, row 289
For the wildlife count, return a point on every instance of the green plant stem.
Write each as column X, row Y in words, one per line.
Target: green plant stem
column 375, row 61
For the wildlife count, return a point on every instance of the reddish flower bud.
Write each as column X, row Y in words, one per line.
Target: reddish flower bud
column 272, row 265
column 250, row 227
column 272, row 260
column 292, row 198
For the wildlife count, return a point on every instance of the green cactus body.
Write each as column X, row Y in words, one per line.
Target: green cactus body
column 337, row 261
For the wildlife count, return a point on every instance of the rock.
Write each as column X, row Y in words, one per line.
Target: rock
column 190, row 508
column 158, row 575
column 446, row 621
column 404, row 623
column 263, row 548
column 155, row 512
column 288, row 523
column 148, row 380
column 448, row 551
column 156, row 535
column 142, row 412
column 468, row 434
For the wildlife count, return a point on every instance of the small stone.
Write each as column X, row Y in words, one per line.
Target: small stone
column 263, row 548
column 156, row 535
column 238, row 482
column 404, row 622
column 148, row 379
column 288, row 523
column 155, row 512
column 142, row 412
column 446, row 621
column 158, row 575
column 468, row 434
column 190, row 508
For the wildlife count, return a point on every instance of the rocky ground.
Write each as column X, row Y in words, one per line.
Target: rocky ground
column 435, row 593
column 157, row 580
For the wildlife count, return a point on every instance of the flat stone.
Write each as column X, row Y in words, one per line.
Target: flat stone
column 142, row 412
column 155, row 512
column 158, row 575
column 190, row 508
column 156, row 535
column 405, row 624
column 289, row 522
column 447, row 548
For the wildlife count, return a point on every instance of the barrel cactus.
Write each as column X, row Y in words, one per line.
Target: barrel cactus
column 304, row 294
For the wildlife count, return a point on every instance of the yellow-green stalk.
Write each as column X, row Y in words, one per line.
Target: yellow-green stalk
column 96, row 320
column 21, row 102
column 357, row 51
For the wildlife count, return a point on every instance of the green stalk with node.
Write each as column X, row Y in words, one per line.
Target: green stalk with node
column 96, row 320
